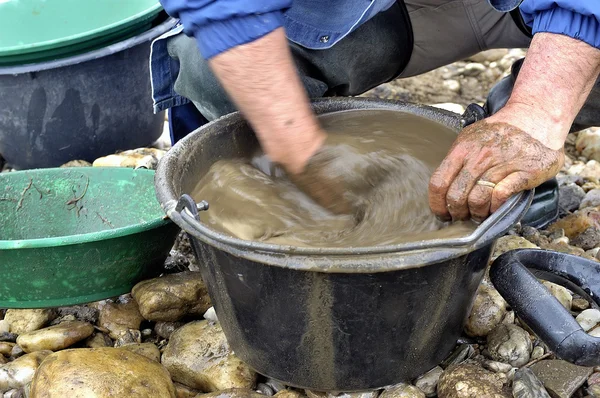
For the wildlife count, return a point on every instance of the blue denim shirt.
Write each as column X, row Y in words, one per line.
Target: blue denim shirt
column 219, row 25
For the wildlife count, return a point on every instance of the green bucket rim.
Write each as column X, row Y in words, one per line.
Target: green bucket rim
column 83, row 238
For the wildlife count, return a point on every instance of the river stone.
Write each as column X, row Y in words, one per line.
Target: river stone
column 364, row 394
column 527, row 385
column 19, row 372
column 77, row 163
column 429, row 381
column 510, row 344
column 570, row 197
column 80, row 312
column 561, row 294
column 588, row 319
column 55, row 337
column 579, row 304
column 101, row 372
column 23, row 321
column 471, row 381
column 561, row 378
column 489, row 308
column 591, row 171
column 119, row 318
column 577, row 223
column 495, row 366
column 166, row 329
column 232, row 393
column 98, row 340
column 288, row 394
column 182, row 391
column 591, row 199
column 511, row 242
column 402, row 390
column 4, row 326
column 172, row 297
column 537, row 352
column 6, row 348
column 199, row 356
column 588, row 143
column 148, row 350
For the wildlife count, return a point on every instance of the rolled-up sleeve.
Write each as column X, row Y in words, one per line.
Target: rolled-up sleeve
column 575, row 18
column 218, row 25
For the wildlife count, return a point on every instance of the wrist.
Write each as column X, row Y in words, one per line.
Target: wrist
column 294, row 151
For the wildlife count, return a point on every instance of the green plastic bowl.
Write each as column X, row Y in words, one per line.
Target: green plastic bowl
column 28, row 26
column 75, row 235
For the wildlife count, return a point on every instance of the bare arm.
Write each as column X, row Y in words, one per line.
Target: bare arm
column 262, row 81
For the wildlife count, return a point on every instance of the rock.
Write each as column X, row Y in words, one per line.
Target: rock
column 527, row 385
column 495, row 366
column 288, row 394
column 579, row 304
column 582, row 228
column 473, row 69
column 172, row 297
column 471, row 381
column 16, row 351
column 4, row 326
column 588, row 143
column 210, row 315
column 570, row 197
column 232, row 393
column 23, row 321
column 429, row 381
column 588, row 319
column 81, row 313
column 101, row 372
column 402, row 390
column 56, row 337
column 182, row 391
column 8, row 337
column 489, row 308
column 451, row 107
column 591, row 171
column 77, row 163
column 165, row 329
column 147, row 350
column 98, row 340
column 589, row 239
column 199, row 357
column 129, row 336
column 452, row 85
column 591, row 199
column 366, row 394
column 509, row 344
column 19, row 372
column 561, row 294
column 118, row 318
column 147, row 158
column 6, row 348
column 561, row 378
column 576, row 168
column 537, row 352
column 15, row 393
column 565, row 179
column 511, row 242
column 493, row 55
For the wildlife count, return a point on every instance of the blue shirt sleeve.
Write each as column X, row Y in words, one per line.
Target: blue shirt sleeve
column 579, row 19
column 219, row 25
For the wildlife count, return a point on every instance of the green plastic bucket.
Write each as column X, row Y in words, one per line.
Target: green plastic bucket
column 75, row 235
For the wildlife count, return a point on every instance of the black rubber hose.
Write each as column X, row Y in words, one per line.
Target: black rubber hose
column 541, row 311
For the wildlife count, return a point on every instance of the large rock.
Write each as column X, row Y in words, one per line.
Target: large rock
column 101, row 372
column 23, row 321
column 509, row 344
column 561, row 378
column 119, row 318
column 471, row 381
column 19, row 372
column 199, row 357
column 527, row 385
column 489, row 308
column 172, row 297
column 56, row 337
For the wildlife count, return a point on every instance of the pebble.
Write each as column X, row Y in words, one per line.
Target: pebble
column 182, row 391
column 77, row 163
column 402, row 390
column 199, row 356
column 452, row 85
column 561, row 378
column 172, row 297
column 148, row 350
column 4, row 326
column 562, row 294
column 473, row 69
column 570, row 197
column 232, row 393
column 593, row 383
column 489, row 308
column 588, row 143
column 23, row 321
column 146, row 158
column 591, row 199
column 119, row 318
column 6, row 348
column 289, row 394
column 56, row 337
column 495, row 366
column 591, row 171
column 210, row 315
column 510, row 344
column 576, row 168
column 471, row 381
column 101, row 372
column 588, row 319
column 429, row 381
column 98, row 340
column 166, row 329
column 537, row 352
column 15, row 393
column 527, row 385
column 366, row 394
column 579, row 304
column 19, row 372
column 80, row 312
column 129, row 336
column 511, row 242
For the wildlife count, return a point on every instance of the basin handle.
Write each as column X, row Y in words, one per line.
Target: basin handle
column 472, row 114
column 187, row 203
column 513, row 276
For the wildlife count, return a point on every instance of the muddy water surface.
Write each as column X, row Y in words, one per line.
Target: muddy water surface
column 253, row 199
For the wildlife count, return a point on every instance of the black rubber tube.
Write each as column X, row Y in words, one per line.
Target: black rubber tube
column 534, row 304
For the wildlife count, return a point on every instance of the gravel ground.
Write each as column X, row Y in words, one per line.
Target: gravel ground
column 164, row 339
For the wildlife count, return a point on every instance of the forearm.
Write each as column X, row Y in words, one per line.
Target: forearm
column 553, row 84
column 261, row 79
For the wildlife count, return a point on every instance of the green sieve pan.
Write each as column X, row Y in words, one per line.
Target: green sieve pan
column 29, row 26
column 75, row 235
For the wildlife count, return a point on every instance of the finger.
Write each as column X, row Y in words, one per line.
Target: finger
column 458, row 193
column 512, row 184
column 440, row 182
column 480, row 197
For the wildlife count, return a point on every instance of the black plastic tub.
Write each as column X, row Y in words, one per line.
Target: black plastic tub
column 80, row 107
column 330, row 318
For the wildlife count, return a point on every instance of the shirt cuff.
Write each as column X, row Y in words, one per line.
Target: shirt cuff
column 219, row 36
column 566, row 22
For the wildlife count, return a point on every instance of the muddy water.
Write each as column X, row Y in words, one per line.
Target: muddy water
column 253, row 199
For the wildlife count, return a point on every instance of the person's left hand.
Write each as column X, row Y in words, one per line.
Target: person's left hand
column 489, row 162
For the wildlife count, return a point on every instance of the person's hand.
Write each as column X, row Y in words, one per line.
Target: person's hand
column 489, row 162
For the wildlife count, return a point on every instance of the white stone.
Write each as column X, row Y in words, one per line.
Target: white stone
column 588, row 319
